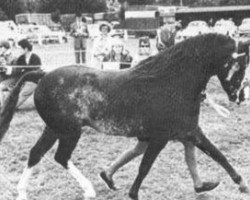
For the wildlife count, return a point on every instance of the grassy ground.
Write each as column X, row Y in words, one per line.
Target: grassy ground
column 168, row 179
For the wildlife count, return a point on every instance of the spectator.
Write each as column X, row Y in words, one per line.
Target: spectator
column 144, row 50
column 102, row 45
column 144, row 46
column 2, row 61
column 211, row 22
column 6, row 52
column 28, row 58
column 119, row 54
column 79, row 31
column 165, row 36
column 7, row 81
column 12, row 76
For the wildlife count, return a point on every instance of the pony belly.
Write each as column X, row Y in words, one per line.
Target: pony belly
column 126, row 128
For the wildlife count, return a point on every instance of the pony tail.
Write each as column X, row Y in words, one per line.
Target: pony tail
column 9, row 106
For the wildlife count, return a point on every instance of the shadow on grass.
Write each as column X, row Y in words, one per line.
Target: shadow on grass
column 25, row 109
column 204, row 197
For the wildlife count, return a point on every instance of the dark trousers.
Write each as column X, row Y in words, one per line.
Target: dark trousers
column 80, row 55
column 80, row 44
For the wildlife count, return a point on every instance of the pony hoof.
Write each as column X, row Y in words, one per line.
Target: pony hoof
column 206, row 186
column 244, row 189
column 133, row 196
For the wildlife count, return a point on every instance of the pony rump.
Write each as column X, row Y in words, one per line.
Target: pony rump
column 8, row 108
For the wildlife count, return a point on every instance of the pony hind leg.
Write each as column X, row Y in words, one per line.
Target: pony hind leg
column 63, row 155
column 203, row 143
column 154, row 148
column 45, row 142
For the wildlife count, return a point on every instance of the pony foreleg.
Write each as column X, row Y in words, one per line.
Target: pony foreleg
column 200, row 140
column 63, row 155
column 83, row 181
column 154, row 148
column 23, row 183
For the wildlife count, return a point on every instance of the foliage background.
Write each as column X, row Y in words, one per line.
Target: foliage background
column 9, row 8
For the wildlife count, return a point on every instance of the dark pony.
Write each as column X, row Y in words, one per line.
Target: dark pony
column 158, row 99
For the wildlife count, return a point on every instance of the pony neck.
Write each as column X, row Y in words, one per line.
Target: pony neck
column 176, row 66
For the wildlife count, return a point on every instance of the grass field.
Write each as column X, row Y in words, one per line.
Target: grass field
column 168, row 179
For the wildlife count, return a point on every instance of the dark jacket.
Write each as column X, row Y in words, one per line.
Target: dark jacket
column 34, row 61
column 125, row 59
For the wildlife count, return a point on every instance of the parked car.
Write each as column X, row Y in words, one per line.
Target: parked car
column 244, row 28
column 9, row 31
column 117, row 30
column 225, row 27
column 42, row 34
column 194, row 28
column 60, row 32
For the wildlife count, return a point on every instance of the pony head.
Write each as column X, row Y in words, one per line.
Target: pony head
column 231, row 72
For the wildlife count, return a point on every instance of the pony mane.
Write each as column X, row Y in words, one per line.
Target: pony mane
column 195, row 51
column 148, row 77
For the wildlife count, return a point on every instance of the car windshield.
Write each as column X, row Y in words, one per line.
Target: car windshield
column 225, row 23
column 25, row 29
column 196, row 24
column 56, row 28
column 246, row 21
column 41, row 29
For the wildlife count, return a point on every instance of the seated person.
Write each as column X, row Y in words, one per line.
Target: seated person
column 2, row 61
column 6, row 81
column 28, row 58
column 12, row 76
column 119, row 54
column 144, row 46
column 6, row 52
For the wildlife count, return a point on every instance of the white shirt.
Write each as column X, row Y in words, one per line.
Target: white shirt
column 27, row 58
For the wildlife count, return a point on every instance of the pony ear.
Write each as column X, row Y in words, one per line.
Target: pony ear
column 245, row 43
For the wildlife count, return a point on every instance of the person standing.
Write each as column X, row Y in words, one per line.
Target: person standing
column 79, row 31
column 101, row 45
column 165, row 36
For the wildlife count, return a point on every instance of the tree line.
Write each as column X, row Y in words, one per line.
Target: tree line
column 9, row 8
